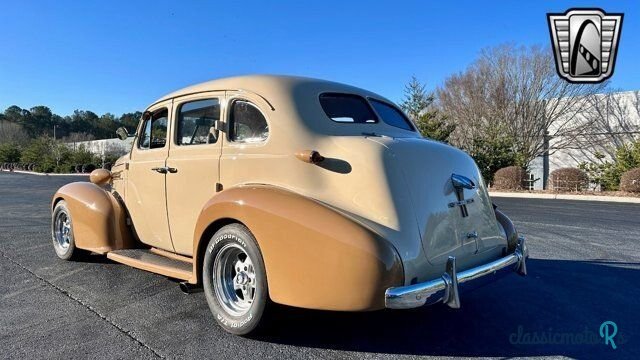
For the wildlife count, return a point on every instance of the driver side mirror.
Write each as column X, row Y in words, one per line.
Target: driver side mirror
column 122, row 133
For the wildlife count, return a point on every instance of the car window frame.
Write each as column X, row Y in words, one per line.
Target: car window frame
column 176, row 116
column 229, row 106
column 142, row 125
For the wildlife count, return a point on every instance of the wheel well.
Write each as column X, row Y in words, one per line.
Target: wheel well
column 56, row 201
column 204, row 241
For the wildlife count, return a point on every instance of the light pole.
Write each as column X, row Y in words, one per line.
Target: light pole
column 545, row 159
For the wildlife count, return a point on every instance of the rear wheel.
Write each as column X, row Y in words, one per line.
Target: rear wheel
column 62, row 233
column 234, row 279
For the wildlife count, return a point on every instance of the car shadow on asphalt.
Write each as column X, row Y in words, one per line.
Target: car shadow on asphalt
column 556, row 310
column 93, row 258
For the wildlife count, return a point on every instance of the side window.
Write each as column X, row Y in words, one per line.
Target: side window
column 196, row 122
column 391, row 115
column 154, row 130
column 246, row 123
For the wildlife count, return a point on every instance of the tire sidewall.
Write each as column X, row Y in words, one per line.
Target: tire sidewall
column 238, row 234
column 64, row 254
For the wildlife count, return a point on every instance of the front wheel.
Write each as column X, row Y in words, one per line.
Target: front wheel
column 234, row 279
column 62, row 233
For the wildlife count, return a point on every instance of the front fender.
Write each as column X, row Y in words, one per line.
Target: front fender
column 315, row 257
column 98, row 218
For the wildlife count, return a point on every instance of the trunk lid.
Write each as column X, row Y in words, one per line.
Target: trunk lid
column 448, row 226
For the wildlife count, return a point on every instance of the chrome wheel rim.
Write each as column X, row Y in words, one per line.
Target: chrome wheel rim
column 62, row 230
column 234, row 279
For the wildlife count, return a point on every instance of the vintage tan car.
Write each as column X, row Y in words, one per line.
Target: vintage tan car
column 290, row 190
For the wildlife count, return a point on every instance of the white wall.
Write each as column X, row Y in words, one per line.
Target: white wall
column 105, row 146
column 588, row 144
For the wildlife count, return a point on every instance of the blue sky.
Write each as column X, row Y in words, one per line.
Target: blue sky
column 118, row 56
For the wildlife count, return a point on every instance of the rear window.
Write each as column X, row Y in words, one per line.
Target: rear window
column 346, row 108
column 391, row 115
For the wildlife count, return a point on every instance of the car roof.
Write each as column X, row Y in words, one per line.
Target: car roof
column 266, row 85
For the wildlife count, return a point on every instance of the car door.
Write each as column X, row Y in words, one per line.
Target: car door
column 146, row 194
column 247, row 154
column 194, row 154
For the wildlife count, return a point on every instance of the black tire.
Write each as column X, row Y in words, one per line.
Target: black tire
column 63, row 242
column 219, row 255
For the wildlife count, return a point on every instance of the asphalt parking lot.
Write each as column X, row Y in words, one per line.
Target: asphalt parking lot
column 584, row 269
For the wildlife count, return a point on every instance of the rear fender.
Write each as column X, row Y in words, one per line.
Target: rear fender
column 509, row 230
column 315, row 257
column 98, row 217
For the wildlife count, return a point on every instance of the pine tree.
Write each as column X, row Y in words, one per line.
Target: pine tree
column 418, row 104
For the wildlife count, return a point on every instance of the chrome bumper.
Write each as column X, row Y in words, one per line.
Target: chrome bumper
column 445, row 288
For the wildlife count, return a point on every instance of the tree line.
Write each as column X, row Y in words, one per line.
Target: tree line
column 510, row 107
column 23, row 124
column 36, row 139
column 507, row 108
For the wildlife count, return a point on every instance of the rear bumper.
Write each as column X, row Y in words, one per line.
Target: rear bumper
column 446, row 288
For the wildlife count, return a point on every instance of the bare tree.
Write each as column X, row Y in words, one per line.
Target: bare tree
column 12, row 133
column 516, row 93
column 76, row 137
column 615, row 121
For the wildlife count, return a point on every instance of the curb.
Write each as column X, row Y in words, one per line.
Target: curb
column 619, row 199
column 41, row 174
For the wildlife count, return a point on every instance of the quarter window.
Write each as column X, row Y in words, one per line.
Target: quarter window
column 196, row 122
column 347, row 108
column 391, row 115
column 154, row 130
column 247, row 124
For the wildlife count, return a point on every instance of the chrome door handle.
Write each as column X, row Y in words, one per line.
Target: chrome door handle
column 165, row 169
column 161, row 170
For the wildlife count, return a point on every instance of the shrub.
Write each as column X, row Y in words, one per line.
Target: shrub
column 491, row 154
column 87, row 168
column 45, row 167
column 630, row 181
column 9, row 152
column 81, row 155
column 608, row 173
column 65, row 168
column 568, row 179
column 510, row 178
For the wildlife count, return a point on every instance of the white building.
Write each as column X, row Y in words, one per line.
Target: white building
column 105, row 147
column 612, row 120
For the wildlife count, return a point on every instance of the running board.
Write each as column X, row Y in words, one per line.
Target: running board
column 151, row 260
